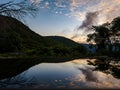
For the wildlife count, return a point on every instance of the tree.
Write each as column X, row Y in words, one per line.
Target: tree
column 116, row 33
column 106, row 36
column 101, row 36
column 18, row 10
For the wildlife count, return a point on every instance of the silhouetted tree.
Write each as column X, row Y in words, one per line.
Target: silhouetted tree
column 106, row 36
column 18, row 10
column 101, row 36
column 116, row 33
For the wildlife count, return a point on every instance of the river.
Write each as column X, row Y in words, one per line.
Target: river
column 72, row 74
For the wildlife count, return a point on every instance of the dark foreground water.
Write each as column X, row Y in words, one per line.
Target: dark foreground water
column 72, row 75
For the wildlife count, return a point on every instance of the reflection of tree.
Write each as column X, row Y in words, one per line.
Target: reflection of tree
column 107, row 39
column 107, row 65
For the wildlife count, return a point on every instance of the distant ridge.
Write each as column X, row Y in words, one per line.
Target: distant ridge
column 63, row 40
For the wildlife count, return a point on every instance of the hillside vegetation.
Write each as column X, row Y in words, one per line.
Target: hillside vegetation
column 16, row 37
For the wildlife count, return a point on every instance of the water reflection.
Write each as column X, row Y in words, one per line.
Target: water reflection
column 107, row 65
column 98, row 80
column 73, row 74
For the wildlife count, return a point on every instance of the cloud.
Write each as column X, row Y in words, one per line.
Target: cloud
column 93, row 12
column 75, row 36
column 77, row 3
column 87, row 12
column 35, row 1
column 79, row 8
column 60, row 4
column 89, row 20
column 109, row 9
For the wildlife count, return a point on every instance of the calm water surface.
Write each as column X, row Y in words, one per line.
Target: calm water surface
column 72, row 74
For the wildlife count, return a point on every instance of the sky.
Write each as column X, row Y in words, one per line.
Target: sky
column 71, row 18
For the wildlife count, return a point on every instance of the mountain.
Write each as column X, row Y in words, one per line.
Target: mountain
column 17, row 37
column 63, row 40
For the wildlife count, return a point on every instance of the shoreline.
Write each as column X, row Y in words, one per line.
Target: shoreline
column 10, row 67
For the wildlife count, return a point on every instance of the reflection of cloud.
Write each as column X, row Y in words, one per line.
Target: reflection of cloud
column 88, row 74
column 94, row 79
column 79, row 61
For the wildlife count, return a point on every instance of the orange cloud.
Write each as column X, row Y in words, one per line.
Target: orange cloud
column 109, row 9
column 80, row 39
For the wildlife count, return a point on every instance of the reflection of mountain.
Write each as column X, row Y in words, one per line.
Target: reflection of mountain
column 15, row 36
column 13, row 67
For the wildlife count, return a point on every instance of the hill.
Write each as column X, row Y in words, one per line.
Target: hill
column 17, row 37
column 63, row 40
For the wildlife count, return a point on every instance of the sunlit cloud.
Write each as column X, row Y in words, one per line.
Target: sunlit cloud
column 108, row 9
column 89, row 20
column 35, row 1
column 101, row 11
column 60, row 4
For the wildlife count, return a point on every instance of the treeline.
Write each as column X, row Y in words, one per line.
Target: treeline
column 107, row 38
column 57, row 51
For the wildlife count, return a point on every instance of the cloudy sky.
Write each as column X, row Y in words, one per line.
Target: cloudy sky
column 71, row 18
